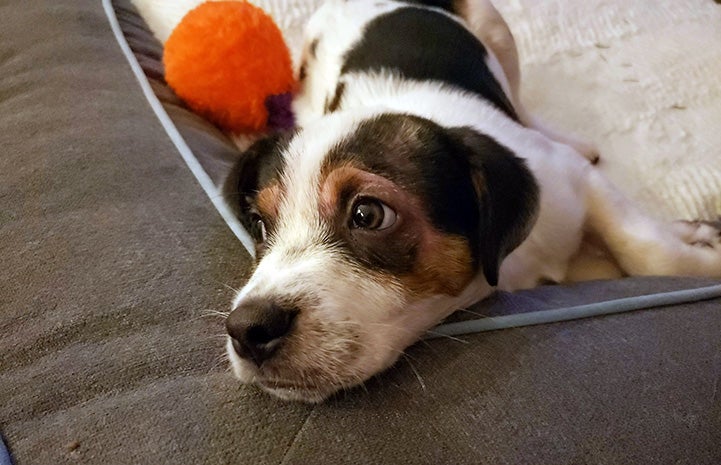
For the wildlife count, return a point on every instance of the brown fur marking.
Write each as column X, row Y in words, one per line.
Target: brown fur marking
column 443, row 262
column 443, row 266
column 336, row 179
column 268, row 201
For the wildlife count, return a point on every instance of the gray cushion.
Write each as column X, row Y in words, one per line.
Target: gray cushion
column 113, row 258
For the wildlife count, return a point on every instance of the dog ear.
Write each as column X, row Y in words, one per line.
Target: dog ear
column 507, row 195
column 256, row 168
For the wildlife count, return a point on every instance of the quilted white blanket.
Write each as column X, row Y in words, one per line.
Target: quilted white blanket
column 641, row 79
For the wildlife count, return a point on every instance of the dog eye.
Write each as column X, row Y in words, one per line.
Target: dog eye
column 257, row 227
column 372, row 214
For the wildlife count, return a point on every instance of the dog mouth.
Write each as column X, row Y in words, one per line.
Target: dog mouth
column 289, row 390
column 284, row 384
column 293, row 374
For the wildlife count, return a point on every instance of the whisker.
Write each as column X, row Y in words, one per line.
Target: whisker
column 209, row 313
column 215, row 313
column 428, row 344
column 215, row 337
column 471, row 312
column 359, row 383
column 227, row 286
column 418, row 375
column 220, row 360
column 445, row 336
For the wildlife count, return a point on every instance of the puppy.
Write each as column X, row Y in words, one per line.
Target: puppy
column 415, row 185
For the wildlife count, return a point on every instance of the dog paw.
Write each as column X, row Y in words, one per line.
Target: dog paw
column 698, row 252
column 699, row 233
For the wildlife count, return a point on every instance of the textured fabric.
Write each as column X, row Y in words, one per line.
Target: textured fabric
column 112, row 258
column 640, row 80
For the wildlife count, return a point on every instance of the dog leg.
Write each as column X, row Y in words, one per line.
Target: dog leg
column 487, row 24
column 642, row 245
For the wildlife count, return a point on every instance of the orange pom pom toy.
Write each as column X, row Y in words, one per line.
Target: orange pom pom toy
column 229, row 63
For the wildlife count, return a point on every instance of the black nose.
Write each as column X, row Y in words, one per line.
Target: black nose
column 257, row 329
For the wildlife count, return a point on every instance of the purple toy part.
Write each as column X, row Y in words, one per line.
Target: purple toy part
column 280, row 113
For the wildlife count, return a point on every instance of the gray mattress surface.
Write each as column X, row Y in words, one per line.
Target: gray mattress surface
column 113, row 258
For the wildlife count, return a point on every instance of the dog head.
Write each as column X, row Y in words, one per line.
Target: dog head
column 368, row 231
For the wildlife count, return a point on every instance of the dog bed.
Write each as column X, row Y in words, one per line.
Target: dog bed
column 114, row 257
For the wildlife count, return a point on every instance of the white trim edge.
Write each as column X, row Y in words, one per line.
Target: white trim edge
column 194, row 165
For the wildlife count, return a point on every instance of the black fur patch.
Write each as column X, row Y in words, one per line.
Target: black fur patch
column 333, row 105
column 313, row 47
column 258, row 167
column 416, row 154
column 508, row 197
column 423, row 44
column 442, row 167
column 448, row 5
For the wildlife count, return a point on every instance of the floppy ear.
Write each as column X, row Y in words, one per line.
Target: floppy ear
column 507, row 196
column 256, row 168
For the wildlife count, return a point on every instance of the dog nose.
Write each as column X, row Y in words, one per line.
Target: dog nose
column 257, row 329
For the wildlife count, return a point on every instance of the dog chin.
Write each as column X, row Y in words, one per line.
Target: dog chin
column 287, row 391
column 294, row 389
column 298, row 393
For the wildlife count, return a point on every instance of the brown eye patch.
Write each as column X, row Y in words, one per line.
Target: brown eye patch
column 425, row 260
column 428, row 183
column 268, row 201
column 419, row 157
column 252, row 187
column 443, row 266
column 391, row 250
column 339, row 185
